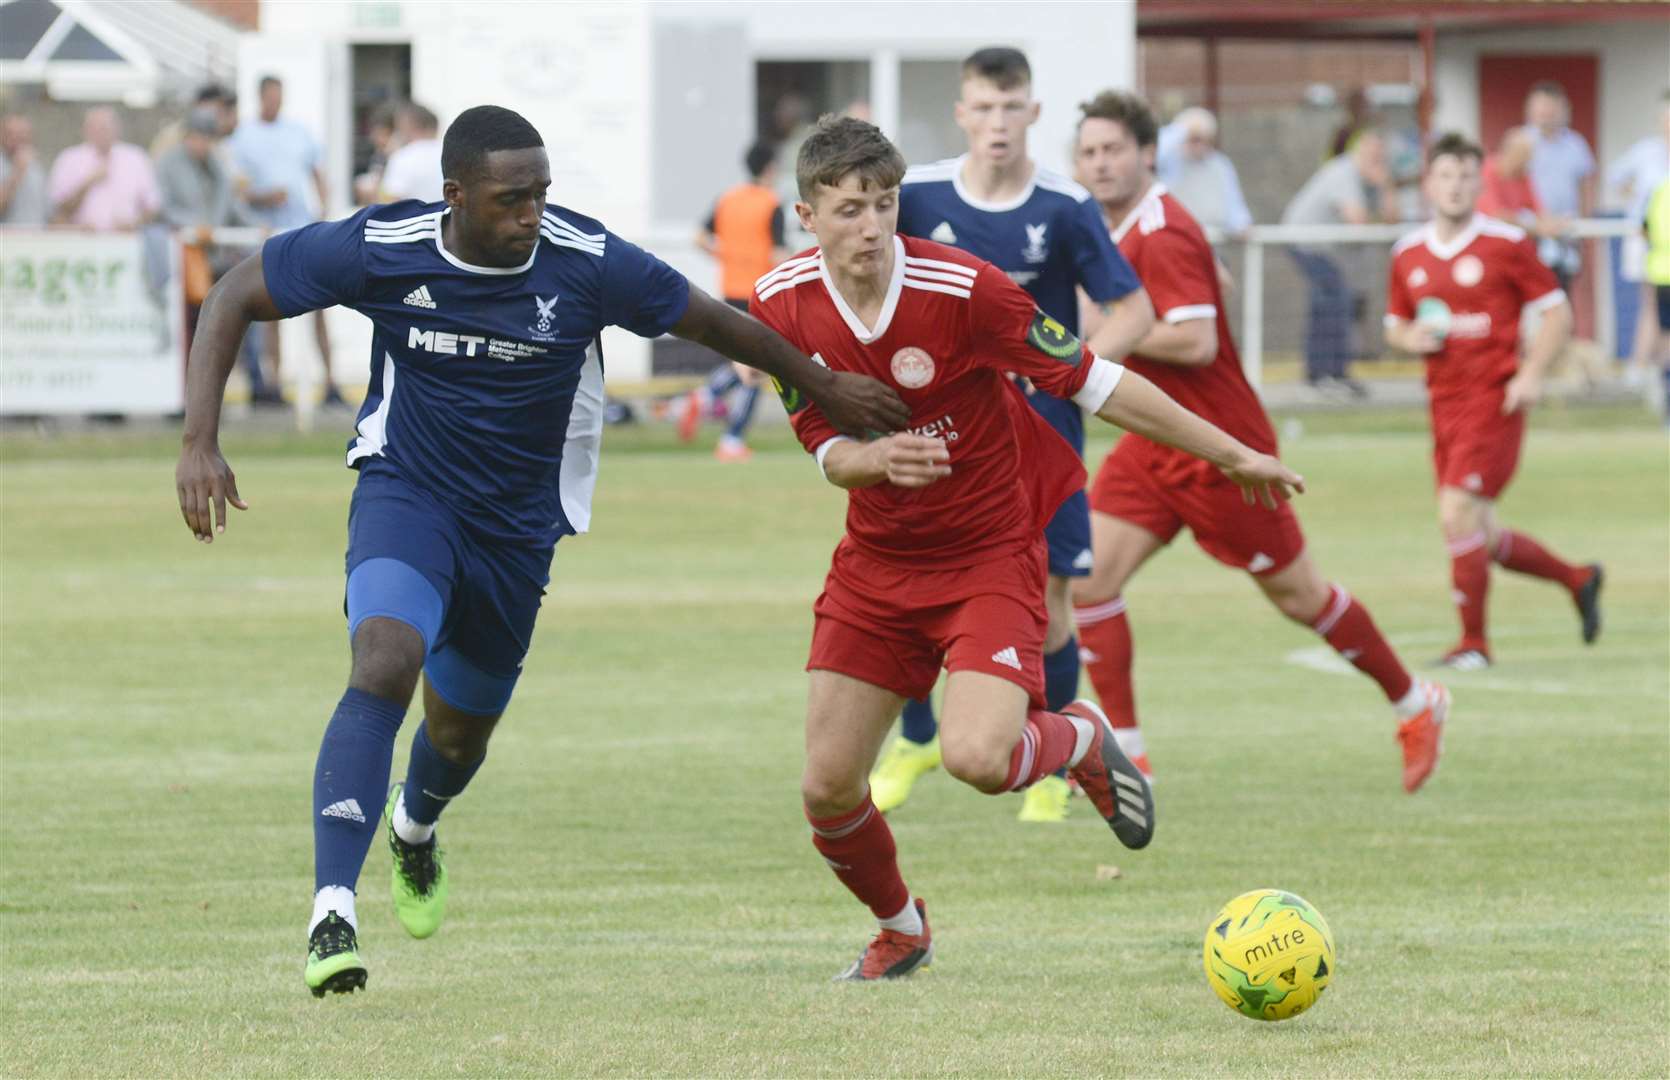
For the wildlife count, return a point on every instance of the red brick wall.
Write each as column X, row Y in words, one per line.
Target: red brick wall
column 244, row 14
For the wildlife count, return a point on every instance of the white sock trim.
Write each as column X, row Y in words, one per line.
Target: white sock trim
column 404, row 827
column 1084, row 732
column 907, row 921
column 1413, row 702
column 337, row 898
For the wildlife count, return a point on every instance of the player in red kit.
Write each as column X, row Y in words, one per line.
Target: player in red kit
column 943, row 562
column 1455, row 294
column 1145, row 493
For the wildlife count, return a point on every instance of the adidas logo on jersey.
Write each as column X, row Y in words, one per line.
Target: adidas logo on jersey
column 347, row 808
column 419, row 297
column 1260, row 563
column 943, row 234
column 1083, row 560
column 1007, row 657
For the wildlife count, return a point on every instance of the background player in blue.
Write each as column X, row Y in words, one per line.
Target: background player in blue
column 477, row 448
column 1044, row 231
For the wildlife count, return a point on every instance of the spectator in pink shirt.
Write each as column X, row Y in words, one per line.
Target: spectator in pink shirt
column 103, row 184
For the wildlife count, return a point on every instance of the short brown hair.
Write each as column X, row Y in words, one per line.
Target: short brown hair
column 1549, row 88
column 1128, row 110
column 1000, row 65
column 842, row 145
column 1455, row 144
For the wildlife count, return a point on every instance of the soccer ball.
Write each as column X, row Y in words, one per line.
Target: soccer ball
column 1269, row 955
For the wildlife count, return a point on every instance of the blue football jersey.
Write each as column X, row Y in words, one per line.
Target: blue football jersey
column 486, row 382
column 1049, row 240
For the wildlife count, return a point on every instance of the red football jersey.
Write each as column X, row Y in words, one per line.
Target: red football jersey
column 1472, row 291
column 1175, row 262
column 950, row 329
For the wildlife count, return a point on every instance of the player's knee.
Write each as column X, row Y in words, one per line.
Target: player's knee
column 462, row 740
column 388, row 656
column 981, row 763
column 827, row 796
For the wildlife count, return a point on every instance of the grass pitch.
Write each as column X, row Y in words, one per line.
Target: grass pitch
column 633, row 889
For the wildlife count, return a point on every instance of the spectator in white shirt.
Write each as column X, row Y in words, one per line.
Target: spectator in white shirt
column 414, row 170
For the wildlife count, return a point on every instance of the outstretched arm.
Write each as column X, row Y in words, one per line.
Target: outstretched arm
column 202, row 477
column 1138, row 405
column 855, row 404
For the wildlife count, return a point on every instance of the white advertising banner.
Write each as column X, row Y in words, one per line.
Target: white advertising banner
column 89, row 323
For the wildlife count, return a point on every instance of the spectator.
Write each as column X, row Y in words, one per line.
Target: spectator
column 1631, row 180
column 23, row 202
column 211, row 95
column 1359, row 117
column 379, row 131
column 1562, row 168
column 1199, row 175
column 102, row 183
column 196, row 185
column 414, row 170
column 745, row 233
column 276, row 162
column 1352, row 189
column 1506, row 191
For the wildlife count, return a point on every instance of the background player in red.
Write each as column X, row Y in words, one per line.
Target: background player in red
column 1145, row 493
column 943, row 562
column 1455, row 294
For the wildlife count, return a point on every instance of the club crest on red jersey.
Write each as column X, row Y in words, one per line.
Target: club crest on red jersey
column 913, row 368
column 1468, row 271
column 1052, row 339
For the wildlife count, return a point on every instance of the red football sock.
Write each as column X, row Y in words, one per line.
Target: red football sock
column 1470, row 574
column 1046, row 744
column 1347, row 626
column 1105, row 647
column 1520, row 553
column 858, row 846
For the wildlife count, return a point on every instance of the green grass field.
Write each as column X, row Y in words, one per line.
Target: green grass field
column 633, row 888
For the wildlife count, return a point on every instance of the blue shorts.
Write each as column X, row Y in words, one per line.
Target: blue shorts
column 474, row 600
column 1068, row 533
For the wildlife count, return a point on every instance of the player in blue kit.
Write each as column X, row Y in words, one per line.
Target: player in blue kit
column 1046, row 233
column 477, row 449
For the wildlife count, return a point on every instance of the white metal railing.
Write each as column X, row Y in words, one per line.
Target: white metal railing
column 1260, row 237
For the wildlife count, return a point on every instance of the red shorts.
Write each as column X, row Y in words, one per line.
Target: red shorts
column 1251, row 538
column 895, row 628
column 1474, row 447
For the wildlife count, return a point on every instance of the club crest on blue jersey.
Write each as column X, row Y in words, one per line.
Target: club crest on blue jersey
column 1036, row 250
column 547, row 312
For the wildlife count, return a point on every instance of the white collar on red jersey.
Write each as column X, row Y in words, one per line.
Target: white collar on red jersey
column 1456, row 246
column 1149, row 201
column 864, row 334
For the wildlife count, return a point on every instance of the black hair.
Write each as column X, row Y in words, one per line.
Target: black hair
column 212, row 92
column 483, row 130
column 1004, row 67
column 1549, row 88
column 269, row 80
column 1454, row 144
column 1124, row 109
column 759, row 158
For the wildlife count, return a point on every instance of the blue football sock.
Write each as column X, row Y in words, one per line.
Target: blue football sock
column 917, row 722
column 431, row 780
column 723, row 380
column 744, row 412
column 349, row 784
column 1061, row 679
column 1061, row 676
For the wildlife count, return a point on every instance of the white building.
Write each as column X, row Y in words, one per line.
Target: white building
column 647, row 107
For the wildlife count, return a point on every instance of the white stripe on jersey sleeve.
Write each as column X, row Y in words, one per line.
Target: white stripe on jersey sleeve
column 787, row 283
column 564, row 240
column 969, row 272
column 373, row 223
column 1189, row 312
column 934, row 286
column 570, row 227
column 786, row 269
column 1547, row 300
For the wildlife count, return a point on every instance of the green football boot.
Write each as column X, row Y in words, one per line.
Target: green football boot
column 333, row 959
column 419, row 880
